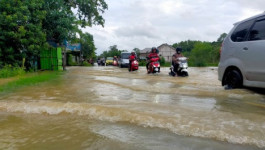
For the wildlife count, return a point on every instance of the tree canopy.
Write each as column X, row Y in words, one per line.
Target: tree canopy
column 88, row 48
column 137, row 51
column 222, row 37
column 20, row 30
column 113, row 51
column 202, row 53
column 27, row 25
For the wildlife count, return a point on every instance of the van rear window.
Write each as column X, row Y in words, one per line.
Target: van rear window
column 125, row 55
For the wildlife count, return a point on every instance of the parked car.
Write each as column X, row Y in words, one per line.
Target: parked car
column 109, row 61
column 124, row 59
column 243, row 54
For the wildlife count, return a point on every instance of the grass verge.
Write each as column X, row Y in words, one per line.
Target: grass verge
column 29, row 80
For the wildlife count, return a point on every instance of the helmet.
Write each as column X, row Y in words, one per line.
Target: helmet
column 133, row 53
column 153, row 48
column 178, row 50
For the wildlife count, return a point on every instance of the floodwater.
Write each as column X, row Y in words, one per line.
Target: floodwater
column 113, row 109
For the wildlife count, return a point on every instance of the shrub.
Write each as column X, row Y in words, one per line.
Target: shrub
column 85, row 63
column 9, row 71
column 70, row 61
column 162, row 61
column 142, row 62
column 166, row 64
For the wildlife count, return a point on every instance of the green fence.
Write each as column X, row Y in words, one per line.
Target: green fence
column 51, row 59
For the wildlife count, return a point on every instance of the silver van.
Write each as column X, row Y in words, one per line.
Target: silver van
column 242, row 61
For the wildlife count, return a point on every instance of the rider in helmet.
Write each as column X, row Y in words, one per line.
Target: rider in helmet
column 176, row 56
column 152, row 54
column 132, row 57
column 115, row 58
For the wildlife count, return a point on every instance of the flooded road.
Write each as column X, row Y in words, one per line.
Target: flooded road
column 111, row 108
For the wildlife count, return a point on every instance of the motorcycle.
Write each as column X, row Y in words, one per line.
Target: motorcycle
column 154, row 65
column 182, row 69
column 115, row 63
column 134, row 65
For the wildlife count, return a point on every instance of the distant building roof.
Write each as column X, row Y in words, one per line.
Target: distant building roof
column 146, row 50
column 165, row 44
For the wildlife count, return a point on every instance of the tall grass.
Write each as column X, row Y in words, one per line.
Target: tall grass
column 166, row 64
column 29, row 80
column 9, row 71
column 85, row 63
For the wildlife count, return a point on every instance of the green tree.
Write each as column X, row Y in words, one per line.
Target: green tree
column 87, row 46
column 186, row 46
column 222, row 37
column 21, row 32
column 137, row 52
column 113, row 51
column 61, row 23
column 201, row 54
column 195, row 49
column 216, row 52
column 25, row 25
column 88, row 11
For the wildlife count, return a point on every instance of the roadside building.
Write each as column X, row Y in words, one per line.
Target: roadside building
column 144, row 53
column 74, row 55
column 165, row 50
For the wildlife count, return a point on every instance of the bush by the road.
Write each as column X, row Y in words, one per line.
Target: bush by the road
column 85, row 63
column 142, row 62
column 9, row 71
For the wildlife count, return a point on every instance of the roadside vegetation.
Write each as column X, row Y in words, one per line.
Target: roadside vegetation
column 200, row 53
column 30, row 79
column 9, row 71
column 29, row 26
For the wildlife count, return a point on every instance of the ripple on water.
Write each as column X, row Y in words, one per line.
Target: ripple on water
column 188, row 124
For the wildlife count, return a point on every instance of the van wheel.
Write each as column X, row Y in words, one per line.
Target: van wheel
column 233, row 79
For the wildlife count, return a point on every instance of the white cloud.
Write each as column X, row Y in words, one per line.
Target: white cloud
column 141, row 23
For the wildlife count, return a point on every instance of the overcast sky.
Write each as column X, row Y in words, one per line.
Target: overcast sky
column 146, row 23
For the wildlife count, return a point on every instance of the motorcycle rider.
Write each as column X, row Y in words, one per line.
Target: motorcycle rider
column 152, row 54
column 175, row 58
column 115, row 59
column 98, row 61
column 132, row 57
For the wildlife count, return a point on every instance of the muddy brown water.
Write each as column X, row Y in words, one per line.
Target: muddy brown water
column 111, row 108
